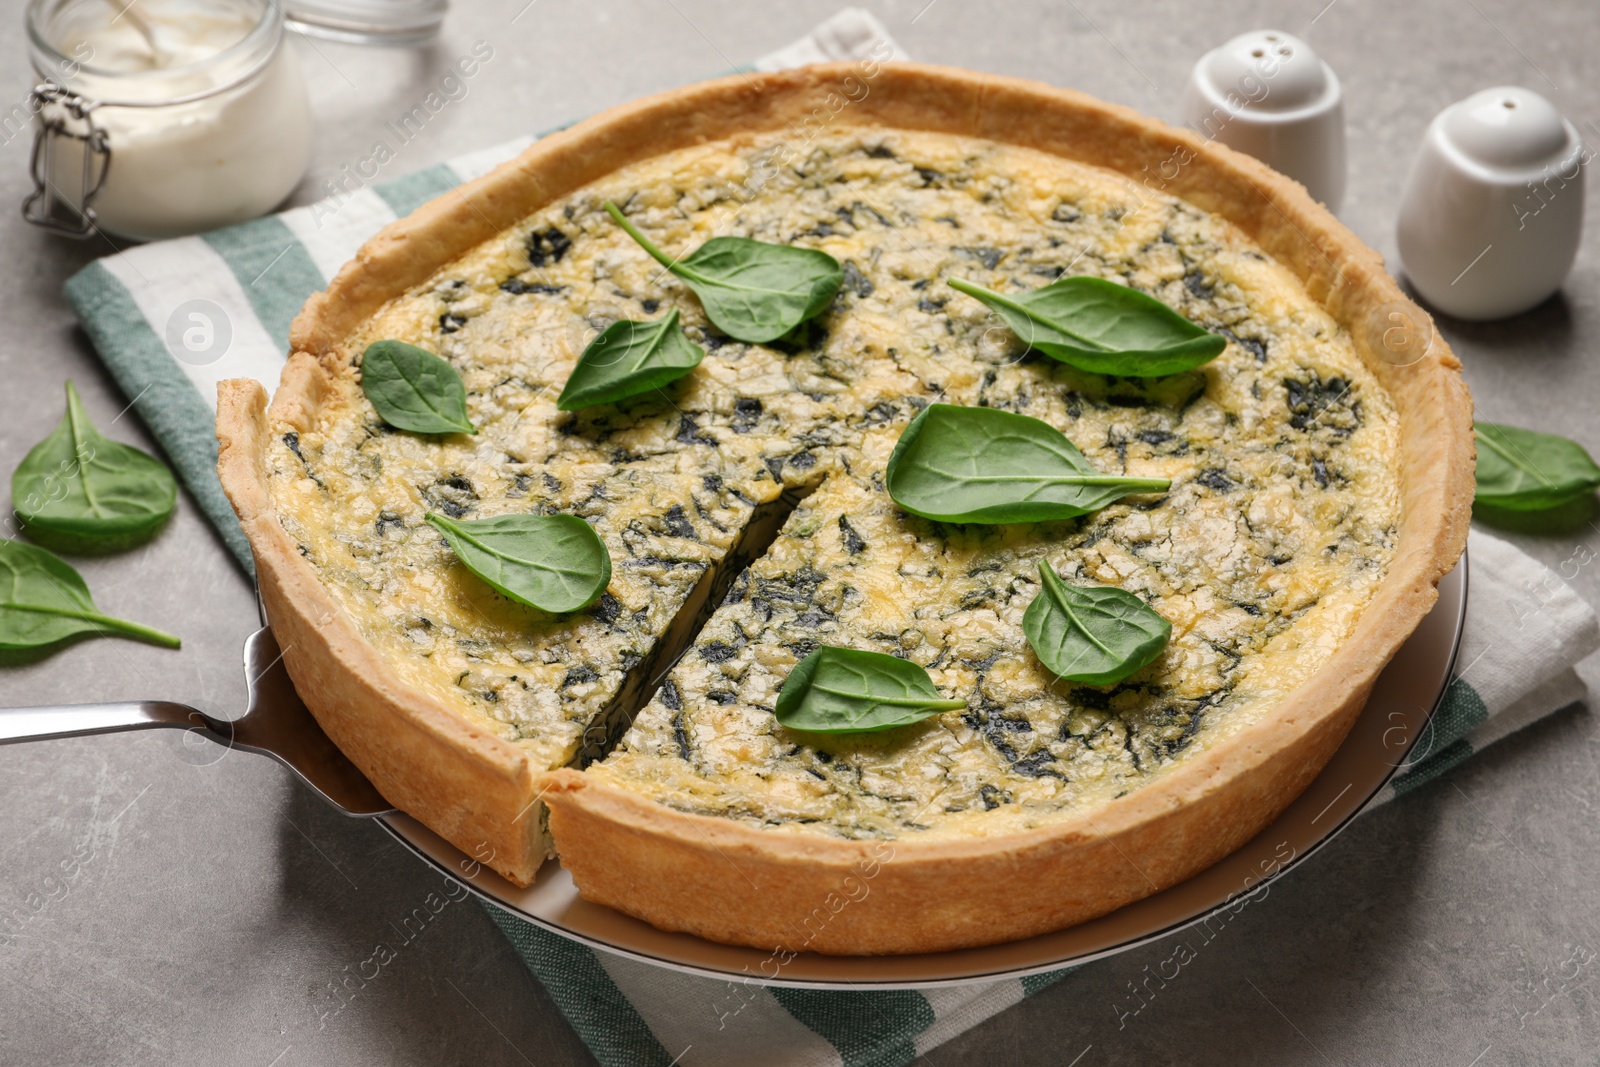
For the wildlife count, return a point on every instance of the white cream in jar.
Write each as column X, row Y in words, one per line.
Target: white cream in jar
column 203, row 108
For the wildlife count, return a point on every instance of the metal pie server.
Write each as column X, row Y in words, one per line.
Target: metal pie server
column 275, row 723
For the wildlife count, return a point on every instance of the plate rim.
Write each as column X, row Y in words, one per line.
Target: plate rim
column 1460, row 574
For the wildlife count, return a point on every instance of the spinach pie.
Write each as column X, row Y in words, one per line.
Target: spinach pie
column 678, row 500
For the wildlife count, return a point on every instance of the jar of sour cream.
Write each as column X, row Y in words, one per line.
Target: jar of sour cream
column 158, row 118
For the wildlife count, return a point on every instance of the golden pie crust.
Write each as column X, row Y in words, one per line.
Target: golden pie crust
column 732, row 882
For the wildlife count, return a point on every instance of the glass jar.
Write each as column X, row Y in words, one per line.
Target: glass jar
column 163, row 117
column 386, row 22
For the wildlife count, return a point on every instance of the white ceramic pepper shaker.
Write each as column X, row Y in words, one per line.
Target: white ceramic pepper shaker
column 1493, row 209
column 1267, row 94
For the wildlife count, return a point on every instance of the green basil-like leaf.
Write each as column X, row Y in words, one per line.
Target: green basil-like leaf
column 959, row 464
column 43, row 601
column 847, row 691
column 555, row 563
column 413, row 389
column 1102, row 327
column 81, row 491
column 751, row 290
column 629, row 358
column 1523, row 470
column 1093, row 634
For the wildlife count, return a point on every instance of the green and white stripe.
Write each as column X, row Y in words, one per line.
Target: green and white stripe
column 1515, row 663
column 1525, row 630
column 632, row 1013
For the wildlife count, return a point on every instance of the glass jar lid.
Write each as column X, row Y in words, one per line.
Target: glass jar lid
column 396, row 22
column 156, row 55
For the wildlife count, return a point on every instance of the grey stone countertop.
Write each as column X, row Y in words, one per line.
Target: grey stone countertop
column 214, row 900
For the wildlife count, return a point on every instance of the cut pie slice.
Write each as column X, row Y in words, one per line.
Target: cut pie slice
column 678, row 514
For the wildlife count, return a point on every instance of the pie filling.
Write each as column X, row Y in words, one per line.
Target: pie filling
column 1278, row 527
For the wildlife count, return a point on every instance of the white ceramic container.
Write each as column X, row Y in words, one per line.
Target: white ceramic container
column 1268, row 94
column 1492, row 211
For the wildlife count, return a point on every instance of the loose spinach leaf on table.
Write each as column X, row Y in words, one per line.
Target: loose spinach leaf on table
column 629, row 358
column 413, row 389
column 81, row 491
column 43, row 601
column 845, row 690
column 555, row 563
column 751, row 290
column 1524, row 470
column 1102, row 327
column 960, row 464
column 1096, row 635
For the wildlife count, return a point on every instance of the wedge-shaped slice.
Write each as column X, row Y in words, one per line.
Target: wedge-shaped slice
column 480, row 693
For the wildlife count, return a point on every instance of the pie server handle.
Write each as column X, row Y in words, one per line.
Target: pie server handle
column 276, row 724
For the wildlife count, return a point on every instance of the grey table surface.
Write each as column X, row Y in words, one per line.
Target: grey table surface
column 213, row 902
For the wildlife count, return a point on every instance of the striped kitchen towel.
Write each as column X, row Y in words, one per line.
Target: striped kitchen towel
column 173, row 318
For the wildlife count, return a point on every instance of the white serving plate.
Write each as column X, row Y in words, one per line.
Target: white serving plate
column 1395, row 721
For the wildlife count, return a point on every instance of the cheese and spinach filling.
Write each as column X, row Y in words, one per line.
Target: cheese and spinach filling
column 1279, row 524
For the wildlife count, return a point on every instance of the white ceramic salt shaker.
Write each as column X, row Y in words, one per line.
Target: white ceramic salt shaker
column 1267, row 94
column 1493, row 209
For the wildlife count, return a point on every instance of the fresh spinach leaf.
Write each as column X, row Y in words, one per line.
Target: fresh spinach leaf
column 845, row 691
column 1524, row 470
column 555, row 563
column 1096, row 635
column 751, row 290
column 1102, row 327
column 80, row 491
column 629, row 358
column 43, row 601
column 413, row 389
column 960, row 464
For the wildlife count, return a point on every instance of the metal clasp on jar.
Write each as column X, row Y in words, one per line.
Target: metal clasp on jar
column 64, row 126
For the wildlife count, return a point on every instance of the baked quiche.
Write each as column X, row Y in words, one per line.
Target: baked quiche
column 1288, row 509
